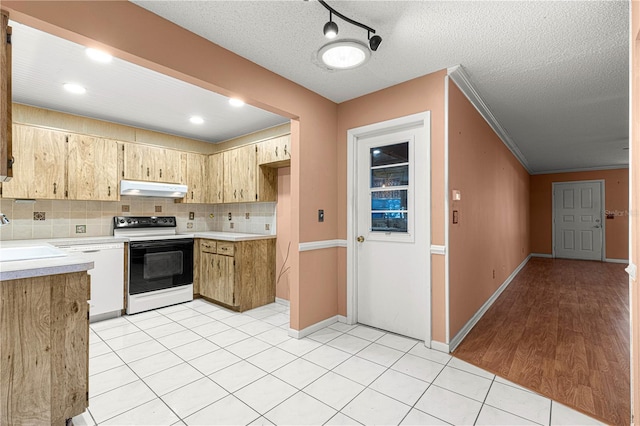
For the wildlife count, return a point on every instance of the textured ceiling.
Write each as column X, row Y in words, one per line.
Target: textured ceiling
column 122, row 92
column 554, row 74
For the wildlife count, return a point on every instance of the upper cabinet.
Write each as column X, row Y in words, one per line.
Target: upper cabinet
column 194, row 166
column 40, row 164
column 275, row 152
column 240, row 175
column 150, row 163
column 6, row 156
column 214, row 192
column 92, row 168
column 55, row 165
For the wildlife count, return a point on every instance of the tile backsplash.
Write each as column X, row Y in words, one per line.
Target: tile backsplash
column 47, row 219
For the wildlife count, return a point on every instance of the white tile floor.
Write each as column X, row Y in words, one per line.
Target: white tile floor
column 199, row 364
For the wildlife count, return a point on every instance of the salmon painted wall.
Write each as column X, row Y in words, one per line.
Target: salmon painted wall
column 635, row 207
column 283, row 226
column 421, row 94
column 616, row 200
column 493, row 229
column 141, row 37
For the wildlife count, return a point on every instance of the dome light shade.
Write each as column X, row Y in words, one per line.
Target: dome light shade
column 330, row 29
column 344, row 54
column 75, row 88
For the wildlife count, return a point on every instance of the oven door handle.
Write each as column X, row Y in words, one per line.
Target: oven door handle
column 161, row 243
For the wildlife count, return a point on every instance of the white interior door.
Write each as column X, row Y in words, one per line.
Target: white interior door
column 393, row 225
column 578, row 220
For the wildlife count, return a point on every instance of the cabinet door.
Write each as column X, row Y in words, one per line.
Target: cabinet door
column 168, row 167
column 246, row 174
column 196, row 180
column 230, row 193
column 207, row 274
column 274, row 151
column 225, row 280
column 215, row 179
column 92, row 169
column 40, row 164
column 138, row 162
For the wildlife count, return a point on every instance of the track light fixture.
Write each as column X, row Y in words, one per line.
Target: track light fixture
column 345, row 54
column 330, row 28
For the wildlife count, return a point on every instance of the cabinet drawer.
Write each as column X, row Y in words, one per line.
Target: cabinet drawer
column 208, row 246
column 225, row 248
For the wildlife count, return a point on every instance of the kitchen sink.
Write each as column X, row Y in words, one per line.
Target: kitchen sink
column 10, row 254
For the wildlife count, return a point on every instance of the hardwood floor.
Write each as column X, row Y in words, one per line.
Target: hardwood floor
column 561, row 329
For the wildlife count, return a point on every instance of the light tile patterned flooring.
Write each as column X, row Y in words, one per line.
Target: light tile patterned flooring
column 199, row 364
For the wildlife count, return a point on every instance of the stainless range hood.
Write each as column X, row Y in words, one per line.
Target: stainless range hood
column 152, row 189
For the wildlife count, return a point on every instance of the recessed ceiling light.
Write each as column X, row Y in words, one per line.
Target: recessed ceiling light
column 75, row 88
column 344, row 54
column 196, row 119
column 98, row 55
column 236, row 102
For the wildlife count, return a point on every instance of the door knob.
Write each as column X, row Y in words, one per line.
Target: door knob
column 597, row 226
column 360, row 239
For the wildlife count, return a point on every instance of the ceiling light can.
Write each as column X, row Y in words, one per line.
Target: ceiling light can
column 236, row 102
column 98, row 55
column 74, row 88
column 196, row 119
column 344, row 54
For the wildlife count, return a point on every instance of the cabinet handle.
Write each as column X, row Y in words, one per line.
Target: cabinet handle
column 108, row 191
column 219, row 195
column 147, row 172
column 242, row 193
column 160, row 172
column 234, row 193
column 55, row 188
column 285, row 150
column 191, row 191
column 276, row 151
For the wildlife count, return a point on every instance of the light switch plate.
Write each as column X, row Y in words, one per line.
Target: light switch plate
column 192, row 215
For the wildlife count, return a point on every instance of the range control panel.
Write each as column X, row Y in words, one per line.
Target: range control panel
column 120, row 222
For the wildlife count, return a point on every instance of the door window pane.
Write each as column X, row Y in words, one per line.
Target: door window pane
column 389, row 221
column 389, row 200
column 390, row 176
column 390, row 154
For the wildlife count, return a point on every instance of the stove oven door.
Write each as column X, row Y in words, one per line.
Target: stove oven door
column 160, row 264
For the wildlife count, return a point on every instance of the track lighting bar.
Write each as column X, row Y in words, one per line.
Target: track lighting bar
column 345, row 18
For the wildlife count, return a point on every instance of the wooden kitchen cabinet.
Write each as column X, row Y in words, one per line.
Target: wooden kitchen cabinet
column 92, row 168
column 195, row 178
column 39, row 169
column 275, row 152
column 240, row 275
column 44, row 341
column 150, row 163
column 215, row 179
column 240, row 175
column 244, row 181
column 6, row 156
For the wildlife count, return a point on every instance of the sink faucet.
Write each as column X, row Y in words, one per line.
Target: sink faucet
column 4, row 220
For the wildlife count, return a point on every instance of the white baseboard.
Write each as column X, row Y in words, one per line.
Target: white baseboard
column 284, row 302
column 453, row 344
column 342, row 319
column 299, row 334
column 625, row 261
column 440, row 347
column 545, row 255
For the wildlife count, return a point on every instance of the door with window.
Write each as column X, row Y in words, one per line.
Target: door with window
column 392, row 242
column 577, row 220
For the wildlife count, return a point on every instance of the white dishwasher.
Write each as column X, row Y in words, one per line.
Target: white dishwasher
column 107, row 277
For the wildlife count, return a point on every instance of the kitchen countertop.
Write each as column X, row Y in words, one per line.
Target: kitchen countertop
column 231, row 236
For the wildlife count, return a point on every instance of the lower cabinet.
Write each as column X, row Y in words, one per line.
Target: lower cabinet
column 240, row 275
column 44, row 341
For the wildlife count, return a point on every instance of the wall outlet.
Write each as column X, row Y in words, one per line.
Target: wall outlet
column 158, row 209
column 267, row 227
column 189, row 225
column 192, row 215
column 81, row 229
column 246, row 215
column 229, row 216
column 211, row 216
column 125, row 208
column 231, row 225
column 39, row 215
